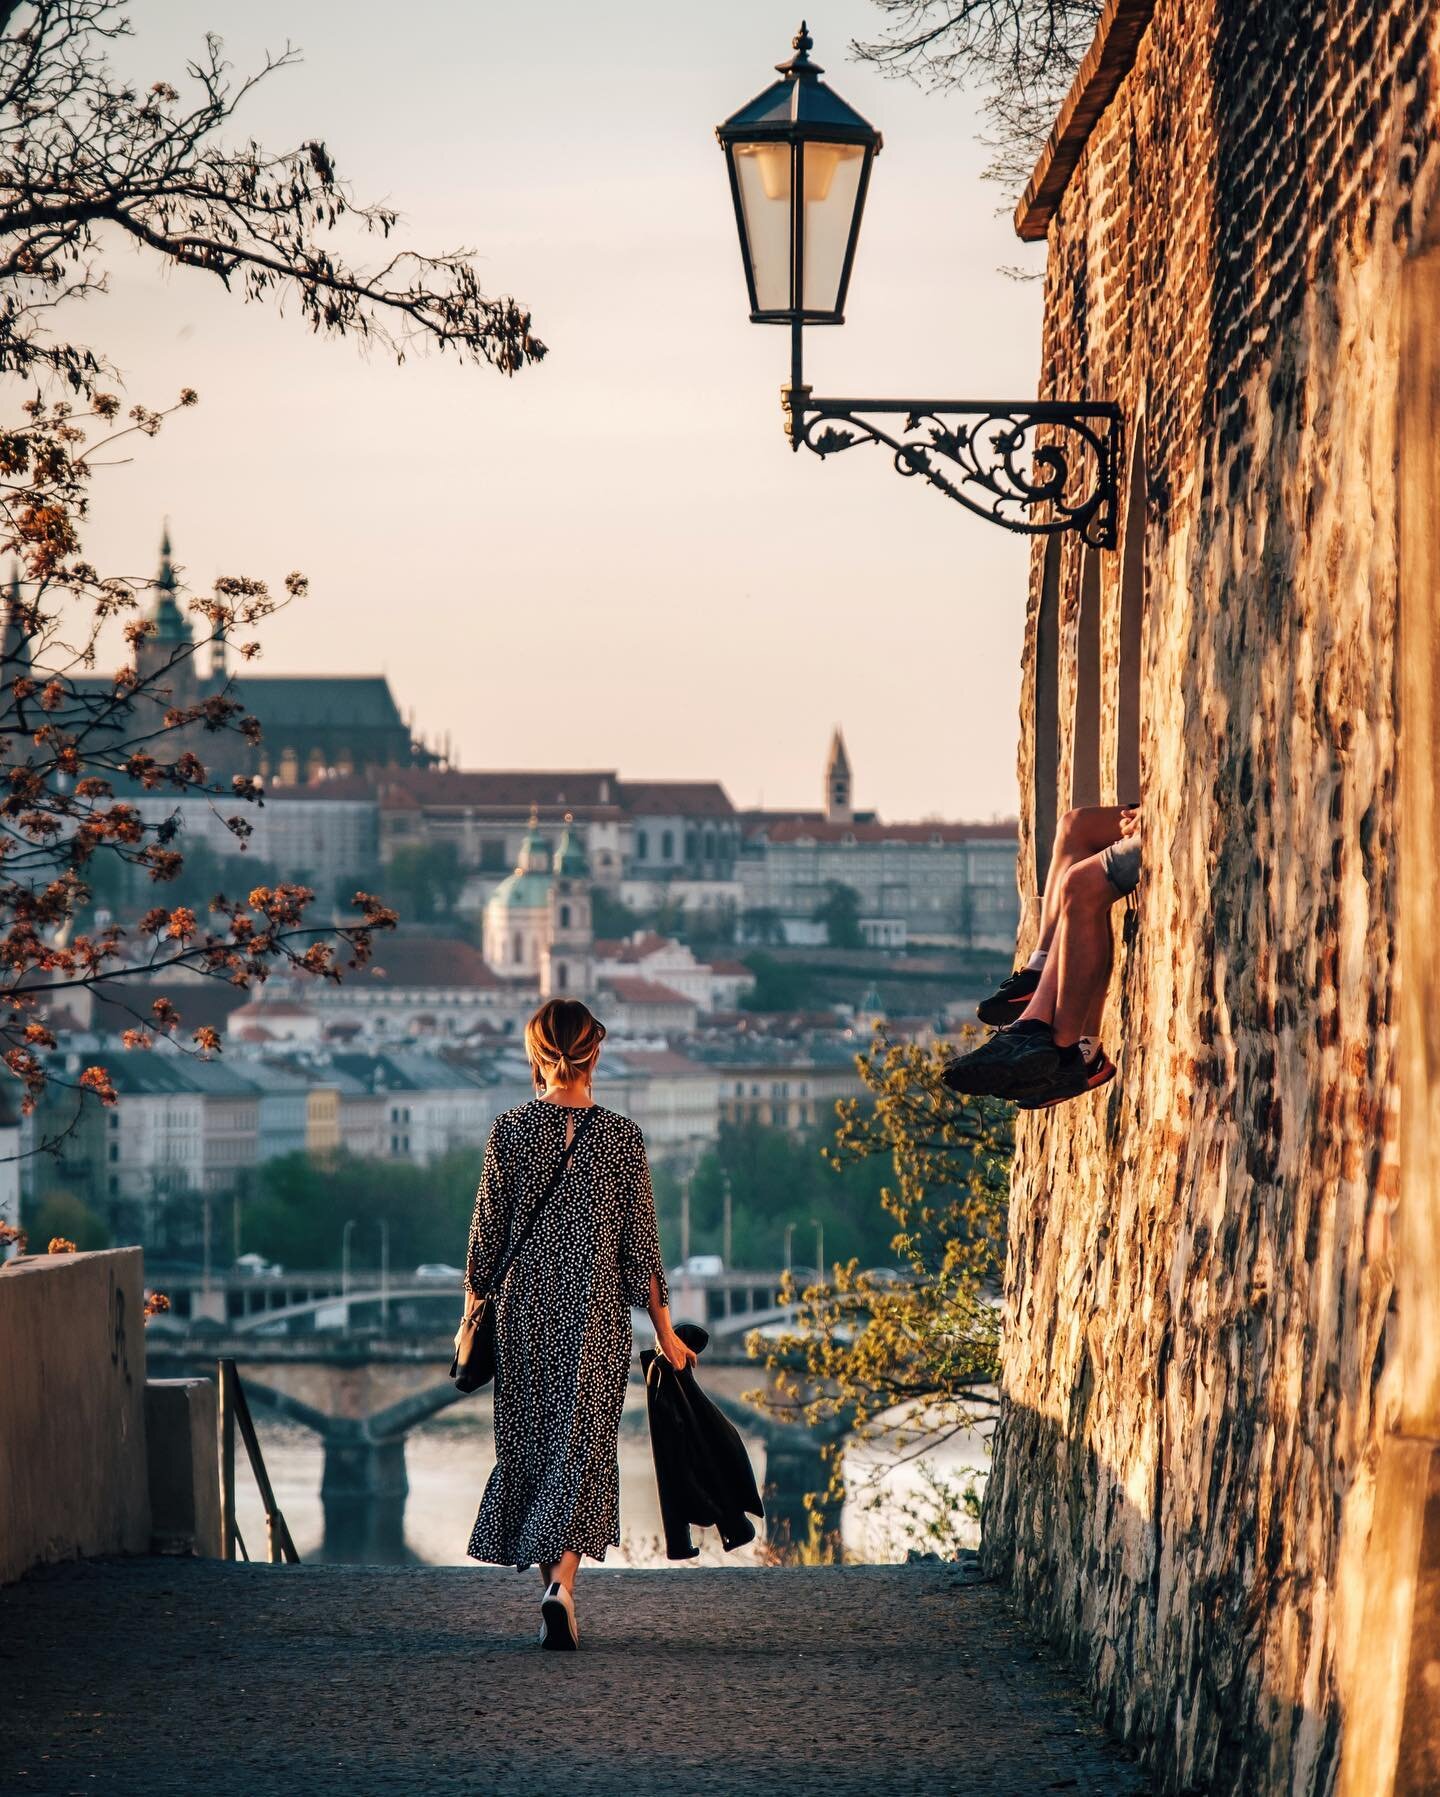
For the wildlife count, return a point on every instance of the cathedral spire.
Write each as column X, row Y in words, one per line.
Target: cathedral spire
column 15, row 645
column 534, row 856
column 172, row 627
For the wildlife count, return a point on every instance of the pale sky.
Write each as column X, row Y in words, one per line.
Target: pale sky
column 612, row 560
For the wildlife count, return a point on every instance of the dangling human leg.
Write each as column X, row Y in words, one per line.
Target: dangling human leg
column 1040, row 1053
column 1081, row 833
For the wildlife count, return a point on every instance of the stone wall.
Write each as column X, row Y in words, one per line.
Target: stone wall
column 73, row 1477
column 1196, row 1383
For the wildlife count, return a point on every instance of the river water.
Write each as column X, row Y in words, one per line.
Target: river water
column 449, row 1458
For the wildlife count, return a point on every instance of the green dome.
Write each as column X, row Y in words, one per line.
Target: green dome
column 522, row 892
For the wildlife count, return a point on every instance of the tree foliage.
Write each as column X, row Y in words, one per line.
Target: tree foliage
column 776, row 1177
column 907, row 1364
column 839, row 911
column 89, row 163
column 425, row 880
column 88, row 160
column 1021, row 54
column 302, row 1205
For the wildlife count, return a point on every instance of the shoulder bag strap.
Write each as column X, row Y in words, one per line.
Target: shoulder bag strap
column 556, row 1180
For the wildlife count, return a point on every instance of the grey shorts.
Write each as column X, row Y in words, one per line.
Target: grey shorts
column 1120, row 864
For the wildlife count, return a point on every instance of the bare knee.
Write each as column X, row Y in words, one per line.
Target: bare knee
column 1085, row 886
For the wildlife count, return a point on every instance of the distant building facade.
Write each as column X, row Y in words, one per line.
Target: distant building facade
column 926, row 883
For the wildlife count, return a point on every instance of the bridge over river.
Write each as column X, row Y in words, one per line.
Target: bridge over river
column 361, row 1367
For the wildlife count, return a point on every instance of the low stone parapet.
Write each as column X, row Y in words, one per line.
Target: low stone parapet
column 73, row 1473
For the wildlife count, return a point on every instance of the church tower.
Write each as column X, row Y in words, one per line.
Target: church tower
column 15, row 650
column 567, row 970
column 15, row 665
column 172, row 633
column 839, row 794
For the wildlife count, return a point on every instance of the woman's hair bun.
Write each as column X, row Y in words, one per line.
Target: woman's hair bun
column 563, row 1038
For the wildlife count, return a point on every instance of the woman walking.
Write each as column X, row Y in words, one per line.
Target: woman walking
column 562, row 1316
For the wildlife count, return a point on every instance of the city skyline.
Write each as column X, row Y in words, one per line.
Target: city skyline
column 622, row 527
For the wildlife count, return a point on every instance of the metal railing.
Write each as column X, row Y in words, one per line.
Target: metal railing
column 235, row 1410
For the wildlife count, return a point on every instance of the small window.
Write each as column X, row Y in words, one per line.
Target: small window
column 564, row 917
column 642, row 845
column 562, row 976
column 667, row 846
column 1132, row 635
column 1085, row 731
column 1046, row 713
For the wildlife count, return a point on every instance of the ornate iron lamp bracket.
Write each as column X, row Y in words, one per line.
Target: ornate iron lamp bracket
column 1034, row 466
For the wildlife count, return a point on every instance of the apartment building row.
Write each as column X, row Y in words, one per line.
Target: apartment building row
column 184, row 1132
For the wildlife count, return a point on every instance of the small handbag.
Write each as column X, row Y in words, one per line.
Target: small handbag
column 474, row 1361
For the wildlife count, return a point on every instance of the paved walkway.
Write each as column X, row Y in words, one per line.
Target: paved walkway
column 152, row 1677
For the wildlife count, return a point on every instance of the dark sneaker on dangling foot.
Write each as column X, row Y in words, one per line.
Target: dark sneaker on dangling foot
column 1009, row 998
column 1071, row 1079
column 1012, row 1064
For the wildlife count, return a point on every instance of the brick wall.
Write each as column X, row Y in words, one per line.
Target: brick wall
column 1199, row 1275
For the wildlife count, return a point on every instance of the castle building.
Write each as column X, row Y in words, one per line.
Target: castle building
column 312, row 726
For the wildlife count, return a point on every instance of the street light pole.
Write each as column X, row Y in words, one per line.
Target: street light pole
column 384, row 1274
column 728, row 1247
column 345, row 1234
column 684, row 1219
column 789, row 1251
column 820, row 1246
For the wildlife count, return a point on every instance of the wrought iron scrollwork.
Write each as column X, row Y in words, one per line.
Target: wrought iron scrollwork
column 1038, row 466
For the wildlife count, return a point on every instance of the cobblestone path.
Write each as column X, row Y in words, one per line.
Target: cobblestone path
column 148, row 1677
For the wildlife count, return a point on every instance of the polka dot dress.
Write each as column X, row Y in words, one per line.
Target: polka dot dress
column 562, row 1327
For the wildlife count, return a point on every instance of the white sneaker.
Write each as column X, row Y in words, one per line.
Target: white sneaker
column 558, row 1627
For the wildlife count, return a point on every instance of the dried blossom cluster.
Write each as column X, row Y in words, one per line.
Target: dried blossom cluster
column 88, row 162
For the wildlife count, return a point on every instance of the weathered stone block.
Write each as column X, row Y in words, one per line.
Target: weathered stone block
column 181, row 1430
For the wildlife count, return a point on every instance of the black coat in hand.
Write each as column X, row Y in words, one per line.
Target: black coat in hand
column 701, row 1467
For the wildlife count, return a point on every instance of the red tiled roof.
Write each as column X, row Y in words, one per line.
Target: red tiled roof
column 632, row 991
column 199, row 1003
column 558, row 790
column 431, row 961
column 675, row 798
column 406, row 788
column 629, row 950
column 1008, row 831
column 662, row 1060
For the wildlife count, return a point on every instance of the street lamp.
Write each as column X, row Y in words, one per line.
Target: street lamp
column 799, row 159
column 789, row 1253
column 798, row 138
column 819, row 1247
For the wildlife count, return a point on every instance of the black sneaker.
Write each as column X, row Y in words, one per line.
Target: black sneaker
column 1012, row 1064
column 1069, row 1081
column 1009, row 998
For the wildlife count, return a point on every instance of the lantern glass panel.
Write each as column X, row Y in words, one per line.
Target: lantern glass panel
column 762, row 173
column 832, row 188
